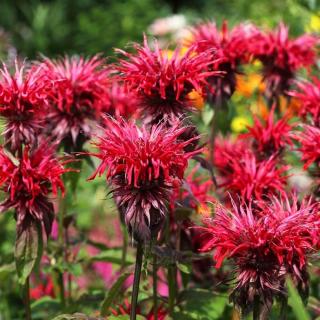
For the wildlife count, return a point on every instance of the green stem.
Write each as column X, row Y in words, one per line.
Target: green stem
column 61, row 289
column 27, row 299
column 136, row 281
column 172, row 288
column 61, row 241
column 256, row 308
column 124, row 246
column 155, row 287
column 284, row 307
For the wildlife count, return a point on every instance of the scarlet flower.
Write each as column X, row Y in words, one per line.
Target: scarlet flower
column 253, row 179
column 225, row 149
column 231, row 50
column 309, row 139
column 142, row 166
column 23, row 100
column 78, row 96
column 125, row 309
column 122, row 103
column 197, row 193
column 308, row 94
column 263, row 248
column 282, row 57
column 43, row 288
column 28, row 183
column 269, row 137
column 163, row 83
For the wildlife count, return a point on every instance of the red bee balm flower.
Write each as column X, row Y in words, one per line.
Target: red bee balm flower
column 252, row 179
column 123, row 103
column 23, row 99
column 163, row 84
column 310, row 145
column 28, row 183
column 78, row 96
column 231, row 49
column 271, row 137
column 142, row 166
column 308, row 94
column 283, row 57
column 265, row 248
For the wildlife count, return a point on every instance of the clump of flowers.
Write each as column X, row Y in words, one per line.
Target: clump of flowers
column 78, row 96
column 142, row 166
column 23, row 101
column 263, row 248
column 163, row 84
column 282, row 57
column 230, row 52
column 28, row 182
column 269, row 137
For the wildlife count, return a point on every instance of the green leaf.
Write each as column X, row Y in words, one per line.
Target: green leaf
column 185, row 268
column 75, row 316
column 112, row 255
column 204, row 303
column 296, row 303
column 113, row 293
column 6, row 270
column 28, row 250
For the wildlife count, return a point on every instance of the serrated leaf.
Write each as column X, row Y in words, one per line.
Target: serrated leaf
column 113, row 293
column 296, row 303
column 28, row 250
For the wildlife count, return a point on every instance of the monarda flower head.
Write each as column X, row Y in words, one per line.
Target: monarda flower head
column 28, row 183
column 225, row 149
column 255, row 180
column 231, row 50
column 78, row 96
column 269, row 137
column 309, row 140
column 308, row 95
column 263, row 248
column 165, row 86
column 282, row 57
column 23, row 100
column 122, row 103
column 142, row 166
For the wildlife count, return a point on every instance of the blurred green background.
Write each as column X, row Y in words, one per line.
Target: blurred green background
column 89, row 26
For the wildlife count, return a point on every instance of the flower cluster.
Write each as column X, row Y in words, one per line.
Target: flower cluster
column 28, row 181
column 282, row 57
column 143, row 166
column 264, row 248
column 230, row 51
column 78, row 96
column 163, row 84
column 23, row 102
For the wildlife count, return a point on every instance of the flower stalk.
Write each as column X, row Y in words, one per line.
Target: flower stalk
column 136, row 281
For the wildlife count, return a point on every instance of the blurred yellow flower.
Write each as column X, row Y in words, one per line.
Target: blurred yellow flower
column 203, row 210
column 247, row 85
column 260, row 108
column 196, row 99
column 239, row 124
column 289, row 106
column 314, row 23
